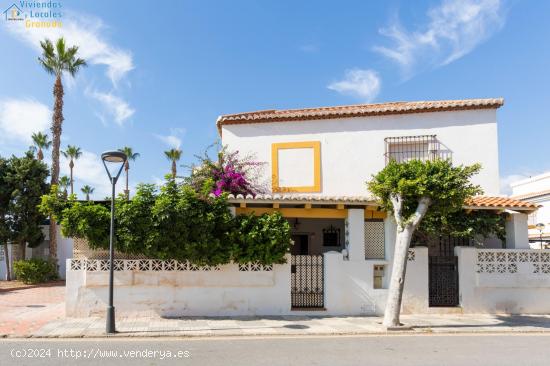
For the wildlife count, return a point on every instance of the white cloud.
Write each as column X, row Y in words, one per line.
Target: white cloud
column 455, row 28
column 20, row 118
column 115, row 106
column 86, row 32
column 173, row 139
column 362, row 84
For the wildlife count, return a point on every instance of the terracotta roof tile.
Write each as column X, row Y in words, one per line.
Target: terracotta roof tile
column 474, row 202
column 499, row 202
column 357, row 110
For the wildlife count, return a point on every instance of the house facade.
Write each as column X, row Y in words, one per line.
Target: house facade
column 318, row 161
column 536, row 189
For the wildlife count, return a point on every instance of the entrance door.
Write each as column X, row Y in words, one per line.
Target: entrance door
column 443, row 273
column 301, row 244
column 307, row 282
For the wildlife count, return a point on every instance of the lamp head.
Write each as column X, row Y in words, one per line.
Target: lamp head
column 540, row 226
column 113, row 158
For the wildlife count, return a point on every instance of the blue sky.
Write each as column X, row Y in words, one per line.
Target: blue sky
column 160, row 73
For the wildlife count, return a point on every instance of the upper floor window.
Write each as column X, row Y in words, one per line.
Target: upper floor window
column 405, row 148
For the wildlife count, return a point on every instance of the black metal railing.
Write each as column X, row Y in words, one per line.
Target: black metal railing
column 405, row 148
column 307, row 281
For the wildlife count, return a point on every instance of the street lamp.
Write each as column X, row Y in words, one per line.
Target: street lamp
column 113, row 158
column 540, row 228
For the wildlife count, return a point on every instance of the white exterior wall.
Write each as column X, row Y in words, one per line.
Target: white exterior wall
column 227, row 292
column 536, row 184
column 500, row 289
column 348, row 290
column 353, row 149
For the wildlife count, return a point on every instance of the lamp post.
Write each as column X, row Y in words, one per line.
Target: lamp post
column 540, row 226
column 114, row 158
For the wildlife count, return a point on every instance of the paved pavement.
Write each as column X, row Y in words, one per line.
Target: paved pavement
column 24, row 310
column 38, row 311
column 292, row 325
column 417, row 350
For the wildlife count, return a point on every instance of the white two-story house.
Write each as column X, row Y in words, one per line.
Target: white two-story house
column 318, row 163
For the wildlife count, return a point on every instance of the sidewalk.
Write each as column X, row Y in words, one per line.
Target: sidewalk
column 292, row 325
column 26, row 309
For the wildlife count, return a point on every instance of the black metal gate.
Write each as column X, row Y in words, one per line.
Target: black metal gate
column 443, row 272
column 307, row 281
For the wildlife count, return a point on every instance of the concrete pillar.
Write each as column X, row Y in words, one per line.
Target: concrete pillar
column 356, row 234
column 517, row 236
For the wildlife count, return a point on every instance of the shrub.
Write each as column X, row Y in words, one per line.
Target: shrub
column 177, row 223
column 35, row 270
column 264, row 239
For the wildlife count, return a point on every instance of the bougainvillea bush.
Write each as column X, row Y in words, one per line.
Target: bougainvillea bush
column 229, row 173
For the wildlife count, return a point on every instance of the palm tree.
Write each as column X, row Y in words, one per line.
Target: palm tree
column 173, row 155
column 56, row 61
column 64, row 183
column 87, row 190
column 130, row 155
column 41, row 142
column 72, row 153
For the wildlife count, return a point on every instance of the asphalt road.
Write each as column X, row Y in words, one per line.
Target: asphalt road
column 402, row 350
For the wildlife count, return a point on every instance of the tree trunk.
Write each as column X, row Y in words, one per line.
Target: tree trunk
column 174, row 169
column 71, row 166
column 127, row 169
column 405, row 230
column 7, row 259
column 57, row 122
column 40, row 155
column 22, row 250
column 397, row 282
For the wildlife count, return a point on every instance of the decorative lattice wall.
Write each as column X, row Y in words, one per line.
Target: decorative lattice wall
column 374, row 240
column 81, row 250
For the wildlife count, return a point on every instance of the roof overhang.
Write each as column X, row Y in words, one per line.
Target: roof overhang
column 357, row 110
column 499, row 204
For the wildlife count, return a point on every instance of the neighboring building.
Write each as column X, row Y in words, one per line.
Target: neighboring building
column 537, row 190
column 318, row 163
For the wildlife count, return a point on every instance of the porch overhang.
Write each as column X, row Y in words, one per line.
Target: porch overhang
column 314, row 206
column 306, row 206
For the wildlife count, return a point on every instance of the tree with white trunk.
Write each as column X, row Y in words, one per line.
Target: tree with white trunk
column 410, row 191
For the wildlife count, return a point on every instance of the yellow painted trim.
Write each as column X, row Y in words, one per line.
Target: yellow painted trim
column 307, row 206
column 369, row 214
column 243, row 204
column 275, row 205
column 340, row 206
column 316, row 146
column 312, row 213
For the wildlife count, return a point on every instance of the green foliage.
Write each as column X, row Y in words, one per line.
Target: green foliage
column 87, row 220
column 187, row 226
column 264, row 238
column 53, row 203
column 134, row 220
column 26, row 179
column 462, row 224
column 175, row 223
column 447, row 186
column 35, row 270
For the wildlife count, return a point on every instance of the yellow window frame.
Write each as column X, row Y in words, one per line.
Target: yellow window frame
column 316, row 146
